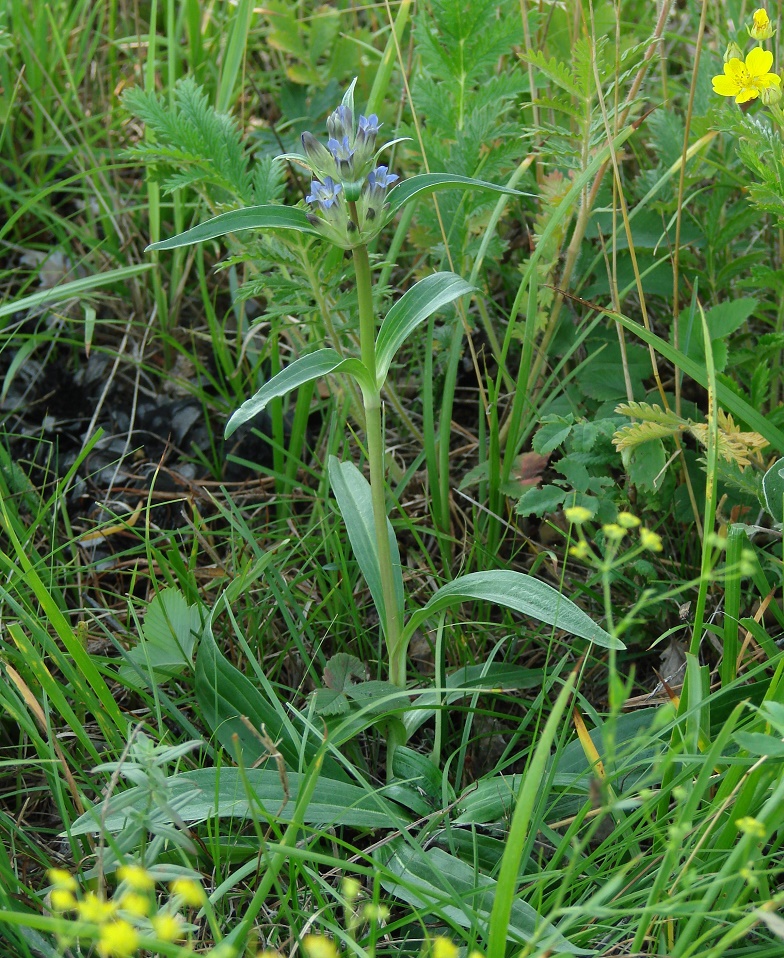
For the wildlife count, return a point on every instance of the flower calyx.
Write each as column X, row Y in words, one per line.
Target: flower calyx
column 347, row 193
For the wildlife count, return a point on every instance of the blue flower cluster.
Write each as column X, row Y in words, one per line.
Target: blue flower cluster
column 347, row 193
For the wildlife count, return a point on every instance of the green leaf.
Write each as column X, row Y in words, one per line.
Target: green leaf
column 773, row 490
column 437, row 883
column 539, row 501
column 168, row 637
column 221, row 793
column 520, row 592
column 73, row 290
column 550, row 435
column 250, row 218
column 302, row 370
column 466, row 681
column 424, row 183
column 725, row 318
column 413, row 308
column 352, row 492
column 224, row 694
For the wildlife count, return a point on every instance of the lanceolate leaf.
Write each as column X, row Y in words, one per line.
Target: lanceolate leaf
column 228, row 792
column 251, row 218
column 520, row 592
column 312, row 366
column 352, row 492
column 414, row 307
column 426, row 183
column 437, row 883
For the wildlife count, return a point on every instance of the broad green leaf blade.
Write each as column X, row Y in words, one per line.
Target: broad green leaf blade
column 224, row 694
column 221, row 793
column 773, row 490
column 250, row 218
column 426, row 183
column 352, row 492
column 520, row 592
column 437, row 883
column 414, row 307
column 731, row 401
column 302, row 370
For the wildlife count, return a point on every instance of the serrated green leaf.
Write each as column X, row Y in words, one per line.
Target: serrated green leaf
column 250, row 218
column 169, row 634
column 302, row 370
column 521, row 593
column 536, row 502
column 341, row 669
column 550, row 436
column 415, row 306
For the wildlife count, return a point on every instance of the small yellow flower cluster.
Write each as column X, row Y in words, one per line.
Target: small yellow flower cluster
column 749, row 77
column 122, row 919
column 752, row 826
column 614, row 532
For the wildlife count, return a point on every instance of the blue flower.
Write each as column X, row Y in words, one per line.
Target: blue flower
column 324, row 194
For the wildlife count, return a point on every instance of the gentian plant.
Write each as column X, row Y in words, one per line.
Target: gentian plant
column 351, row 199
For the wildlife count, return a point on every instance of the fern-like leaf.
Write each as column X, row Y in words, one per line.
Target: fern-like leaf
column 639, row 432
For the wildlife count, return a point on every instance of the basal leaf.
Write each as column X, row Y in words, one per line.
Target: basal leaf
column 437, row 883
column 222, row 793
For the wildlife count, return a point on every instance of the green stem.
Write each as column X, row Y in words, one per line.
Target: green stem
column 375, row 449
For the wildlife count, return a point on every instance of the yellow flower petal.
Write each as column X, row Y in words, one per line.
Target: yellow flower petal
column 746, row 94
column 725, row 86
column 758, row 61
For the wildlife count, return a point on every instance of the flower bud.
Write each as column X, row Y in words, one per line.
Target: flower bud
column 761, row 28
column 770, row 95
column 733, row 52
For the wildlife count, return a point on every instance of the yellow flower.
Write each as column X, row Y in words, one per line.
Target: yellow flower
column 443, row 948
column 317, row 946
column 745, row 80
column 613, row 532
column 627, row 520
column 189, row 890
column 135, row 904
column 650, row 540
column 577, row 515
column 761, row 27
column 62, row 899
column 350, row 888
column 137, row 877
column 95, row 909
column 118, row 940
column 60, row 878
column 167, row 927
column 751, row 826
column 375, row 913
column 580, row 550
